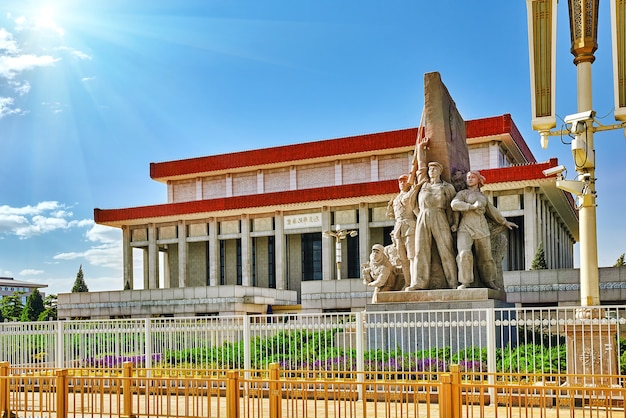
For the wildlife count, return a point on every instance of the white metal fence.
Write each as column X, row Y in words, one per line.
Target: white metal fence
column 542, row 340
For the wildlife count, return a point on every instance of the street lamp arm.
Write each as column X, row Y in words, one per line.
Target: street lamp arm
column 596, row 128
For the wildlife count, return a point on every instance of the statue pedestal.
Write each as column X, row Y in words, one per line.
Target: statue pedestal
column 435, row 299
column 439, row 318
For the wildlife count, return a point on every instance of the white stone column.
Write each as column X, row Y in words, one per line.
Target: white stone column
column 127, row 254
column 328, row 244
column 166, row 272
column 146, row 268
column 229, row 185
column 552, row 239
column 280, row 242
column 260, row 182
column 338, row 173
column 170, row 192
column 246, row 252
column 293, row 178
column 153, row 258
column 364, row 233
column 182, row 254
column 530, row 225
column 374, row 168
column 214, row 251
column 199, row 188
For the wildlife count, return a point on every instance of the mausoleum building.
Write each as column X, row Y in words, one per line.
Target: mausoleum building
column 243, row 232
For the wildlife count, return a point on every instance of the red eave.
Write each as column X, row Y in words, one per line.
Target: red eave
column 103, row 216
column 368, row 143
column 522, row 173
column 307, row 150
column 518, row 172
column 499, row 125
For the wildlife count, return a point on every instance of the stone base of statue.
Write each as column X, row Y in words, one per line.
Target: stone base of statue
column 440, row 318
column 449, row 298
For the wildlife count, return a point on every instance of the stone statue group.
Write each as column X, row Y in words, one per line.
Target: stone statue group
column 429, row 214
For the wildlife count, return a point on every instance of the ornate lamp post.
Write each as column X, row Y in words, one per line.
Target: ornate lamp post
column 583, row 17
column 339, row 234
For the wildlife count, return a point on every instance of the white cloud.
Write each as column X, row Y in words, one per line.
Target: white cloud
column 85, row 79
column 68, row 256
column 104, row 234
column 31, row 272
column 47, row 23
column 11, row 65
column 55, row 107
column 30, row 210
column 7, row 107
column 45, row 217
column 83, row 223
column 10, row 223
column 106, row 255
column 7, row 43
column 107, row 251
column 75, row 53
column 19, row 21
column 17, row 57
column 42, row 22
column 20, row 87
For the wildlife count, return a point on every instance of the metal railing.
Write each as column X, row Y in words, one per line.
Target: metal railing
column 538, row 340
column 276, row 393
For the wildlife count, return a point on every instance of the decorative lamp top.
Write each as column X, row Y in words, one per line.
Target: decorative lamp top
column 583, row 20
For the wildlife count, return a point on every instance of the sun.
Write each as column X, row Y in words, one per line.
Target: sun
column 45, row 18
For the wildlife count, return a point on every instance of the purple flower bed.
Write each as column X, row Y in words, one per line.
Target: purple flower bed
column 472, row 366
column 111, row 361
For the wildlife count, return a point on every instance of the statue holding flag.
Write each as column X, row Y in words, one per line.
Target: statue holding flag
column 435, row 221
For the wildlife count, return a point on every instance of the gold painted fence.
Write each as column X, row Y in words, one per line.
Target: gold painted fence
column 137, row 393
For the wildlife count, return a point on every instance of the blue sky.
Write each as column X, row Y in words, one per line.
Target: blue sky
column 93, row 91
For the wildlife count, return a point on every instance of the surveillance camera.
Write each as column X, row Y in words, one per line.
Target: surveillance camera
column 554, row 171
column 585, row 177
column 580, row 117
column 573, row 186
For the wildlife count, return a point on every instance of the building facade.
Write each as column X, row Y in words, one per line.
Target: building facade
column 243, row 232
column 10, row 286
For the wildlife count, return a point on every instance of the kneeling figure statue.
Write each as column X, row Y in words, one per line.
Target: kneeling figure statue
column 380, row 273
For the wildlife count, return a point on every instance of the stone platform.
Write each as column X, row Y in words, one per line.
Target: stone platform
column 440, row 299
column 442, row 295
column 427, row 319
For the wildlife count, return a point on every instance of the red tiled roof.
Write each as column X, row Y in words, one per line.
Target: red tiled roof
column 518, row 172
column 356, row 144
column 341, row 146
column 499, row 125
column 248, row 201
column 295, row 152
column 524, row 172
column 498, row 175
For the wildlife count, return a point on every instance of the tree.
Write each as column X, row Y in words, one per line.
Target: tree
column 33, row 308
column 50, row 308
column 539, row 262
column 12, row 306
column 79, row 283
column 620, row 261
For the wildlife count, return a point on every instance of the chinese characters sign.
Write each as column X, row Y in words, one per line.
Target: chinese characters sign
column 308, row 220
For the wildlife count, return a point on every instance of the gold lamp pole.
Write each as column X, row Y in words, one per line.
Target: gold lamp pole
column 583, row 19
column 339, row 234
